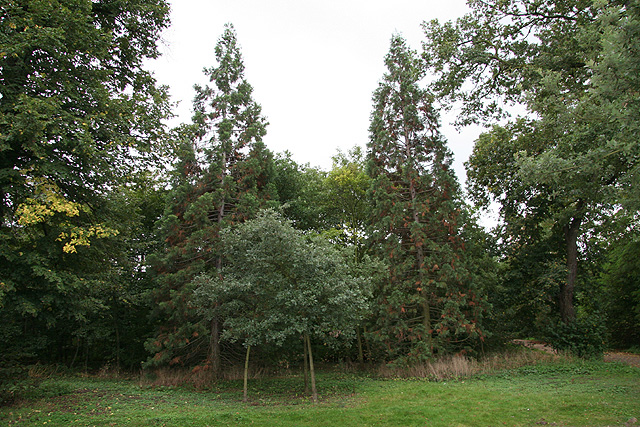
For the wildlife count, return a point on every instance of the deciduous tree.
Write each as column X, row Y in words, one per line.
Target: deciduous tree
column 278, row 283
column 573, row 65
column 348, row 204
column 78, row 114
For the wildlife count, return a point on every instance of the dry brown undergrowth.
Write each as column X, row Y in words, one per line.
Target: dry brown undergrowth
column 455, row 366
column 198, row 377
column 460, row 366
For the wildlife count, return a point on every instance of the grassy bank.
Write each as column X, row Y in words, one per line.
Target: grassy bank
column 550, row 393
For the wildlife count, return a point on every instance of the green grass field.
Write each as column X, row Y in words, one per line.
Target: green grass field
column 560, row 394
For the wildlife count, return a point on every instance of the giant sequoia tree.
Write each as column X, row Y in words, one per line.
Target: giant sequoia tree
column 78, row 114
column 425, row 305
column 223, row 178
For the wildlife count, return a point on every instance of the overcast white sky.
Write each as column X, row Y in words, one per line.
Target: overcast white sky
column 313, row 64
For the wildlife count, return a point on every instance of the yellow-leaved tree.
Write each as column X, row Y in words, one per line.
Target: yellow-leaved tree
column 79, row 117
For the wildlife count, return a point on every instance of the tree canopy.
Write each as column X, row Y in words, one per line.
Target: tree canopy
column 278, row 283
column 566, row 168
column 223, row 178
column 108, row 257
column 79, row 116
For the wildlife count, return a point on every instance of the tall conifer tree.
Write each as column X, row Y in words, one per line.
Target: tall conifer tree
column 225, row 178
column 424, row 304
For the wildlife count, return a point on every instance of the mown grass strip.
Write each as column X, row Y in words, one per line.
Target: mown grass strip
column 575, row 394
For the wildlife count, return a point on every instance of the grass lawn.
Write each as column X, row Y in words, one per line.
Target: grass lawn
column 561, row 394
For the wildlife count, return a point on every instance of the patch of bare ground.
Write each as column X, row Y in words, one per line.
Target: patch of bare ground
column 611, row 356
column 618, row 356
column 536, row 345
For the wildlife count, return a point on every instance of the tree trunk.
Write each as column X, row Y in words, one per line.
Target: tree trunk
column 214, row 348
column 246, row 375
column 86, row 356
column 571, row 231
column 360, row 352
column 222, row 201
column 73, row 362
column 426, row 306
column 314, row 391
column 214, row 343
column 306, row 365
column 366, row 343
column 117, row 330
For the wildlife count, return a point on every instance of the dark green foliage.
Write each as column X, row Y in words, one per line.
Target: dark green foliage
column 621, row 283
column 302, row 194
column 277, row 284
column 480, row 260
column 78, row 116
column 560, row 174
column 178, row 259
column 426, row 305
column 583, row 338
column 334, row 205
column 508, row 51
column 82, row 209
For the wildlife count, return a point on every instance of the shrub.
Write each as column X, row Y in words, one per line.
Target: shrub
column 583, row 338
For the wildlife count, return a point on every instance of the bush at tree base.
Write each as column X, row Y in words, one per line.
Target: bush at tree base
column 584, row 338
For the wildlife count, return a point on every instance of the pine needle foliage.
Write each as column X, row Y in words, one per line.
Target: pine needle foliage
column 426, row 305
column 223, row 177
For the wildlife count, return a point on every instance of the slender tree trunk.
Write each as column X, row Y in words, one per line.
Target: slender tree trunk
column 426, row 309
column 86, row 356
column 426, row 306
column 214, row 347
column 75, row 356
column 117, row 330
column 571, row 231
column 214, row 342
column 306, row 365
column 366, row 343
column 246, row 375
column 222, row 202
column 314, row 391
column 360, row 352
